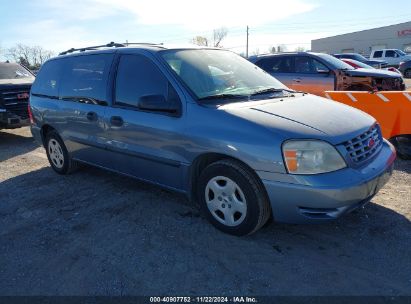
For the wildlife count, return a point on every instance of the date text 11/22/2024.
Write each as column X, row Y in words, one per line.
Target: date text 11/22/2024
column 238, row 299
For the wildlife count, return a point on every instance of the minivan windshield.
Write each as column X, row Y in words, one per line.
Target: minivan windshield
column 14, row 71
column 218, row 73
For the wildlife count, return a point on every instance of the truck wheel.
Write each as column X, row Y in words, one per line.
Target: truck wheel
column 58, row 155
column 232, row 198
column 403, row 146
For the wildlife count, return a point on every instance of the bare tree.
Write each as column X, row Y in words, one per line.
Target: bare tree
column 30, row 56
column 256, row 52
column 218, row 36
column 272, row 49
column 200, row 40
column 300, row 49
column 282, row 48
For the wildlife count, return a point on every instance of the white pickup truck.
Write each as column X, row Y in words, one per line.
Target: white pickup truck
column 393, row 57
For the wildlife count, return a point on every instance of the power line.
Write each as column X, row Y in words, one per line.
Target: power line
column 344, row 26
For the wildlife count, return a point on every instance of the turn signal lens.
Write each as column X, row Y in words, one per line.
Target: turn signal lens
column 291, row 160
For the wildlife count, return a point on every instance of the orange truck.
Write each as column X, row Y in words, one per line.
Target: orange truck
column 392, row 110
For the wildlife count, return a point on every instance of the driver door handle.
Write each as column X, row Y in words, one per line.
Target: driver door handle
column 92, row 116
column 297, row 79
column 116, row 121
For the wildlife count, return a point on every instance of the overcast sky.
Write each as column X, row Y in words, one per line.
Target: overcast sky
column 59, row 25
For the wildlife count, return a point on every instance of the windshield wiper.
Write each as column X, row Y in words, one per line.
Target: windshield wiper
column 223, row 96
column 273, row 90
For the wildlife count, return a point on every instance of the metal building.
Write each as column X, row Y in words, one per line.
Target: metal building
column 397, row 36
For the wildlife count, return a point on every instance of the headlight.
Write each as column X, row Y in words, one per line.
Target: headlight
column 311, row 157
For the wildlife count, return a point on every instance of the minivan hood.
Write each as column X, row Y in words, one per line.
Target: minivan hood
column 372, row 73
column 306, row 116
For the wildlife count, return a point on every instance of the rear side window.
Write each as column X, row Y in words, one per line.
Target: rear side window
column 377, row 54
column 138, row 76
column 276, row 64
column 47, row 82
column 85, row 78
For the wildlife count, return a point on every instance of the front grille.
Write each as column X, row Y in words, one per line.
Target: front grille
column 14, row 103
column 389, row 84
column 365, row 145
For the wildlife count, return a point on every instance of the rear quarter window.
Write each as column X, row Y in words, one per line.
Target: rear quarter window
column 47, row 82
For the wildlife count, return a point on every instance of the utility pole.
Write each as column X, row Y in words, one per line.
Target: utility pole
column 246, row 50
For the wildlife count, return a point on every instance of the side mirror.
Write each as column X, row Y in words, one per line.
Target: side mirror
column 157, row 103
column 324, row 72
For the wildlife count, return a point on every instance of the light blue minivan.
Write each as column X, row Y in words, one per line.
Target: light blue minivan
column 210, row 124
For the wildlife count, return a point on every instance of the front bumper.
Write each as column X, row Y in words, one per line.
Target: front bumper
column 323, row 197
column 11, row 121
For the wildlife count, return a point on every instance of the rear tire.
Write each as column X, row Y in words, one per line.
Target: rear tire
column 232, row 198
column 58, row 155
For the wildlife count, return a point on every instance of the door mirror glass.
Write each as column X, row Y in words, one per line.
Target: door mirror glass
column 324, row 71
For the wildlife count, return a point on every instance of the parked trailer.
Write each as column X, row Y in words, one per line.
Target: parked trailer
column 391, row 109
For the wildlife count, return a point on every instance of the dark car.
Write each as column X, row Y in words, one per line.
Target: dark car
column 374, row 63
column 316, row 73
column 405, row 69
column 15, row 83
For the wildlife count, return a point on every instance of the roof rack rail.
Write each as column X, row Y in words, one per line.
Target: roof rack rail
column 89, row 48
column 142, row 43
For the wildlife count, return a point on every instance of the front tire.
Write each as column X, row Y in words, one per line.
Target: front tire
column 232, row 198
column 407, row 73
column 58, row 155
column 402, row 145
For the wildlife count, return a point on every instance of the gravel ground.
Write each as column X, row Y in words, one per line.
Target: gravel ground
column 97, row 233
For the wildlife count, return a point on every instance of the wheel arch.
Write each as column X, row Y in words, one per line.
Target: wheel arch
column 204, row 160
column 46, row 128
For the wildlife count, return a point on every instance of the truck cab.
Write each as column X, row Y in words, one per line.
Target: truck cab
column 393, row 57
column 15, row 84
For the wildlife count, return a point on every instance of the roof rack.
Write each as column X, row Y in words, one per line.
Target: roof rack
column 142, row 43
column 89, row 48
column 111, row 44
